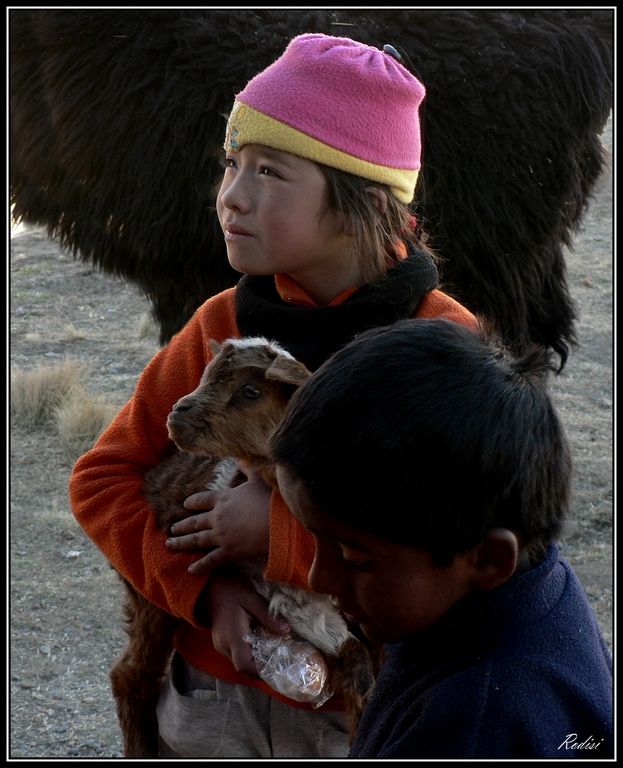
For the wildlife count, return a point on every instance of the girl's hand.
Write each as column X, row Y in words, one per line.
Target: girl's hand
column 234, row 527
column 232, row 608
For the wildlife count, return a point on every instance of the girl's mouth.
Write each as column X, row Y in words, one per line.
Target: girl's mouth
column 233, row 232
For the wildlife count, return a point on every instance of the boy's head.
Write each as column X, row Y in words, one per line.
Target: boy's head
column 423, row 460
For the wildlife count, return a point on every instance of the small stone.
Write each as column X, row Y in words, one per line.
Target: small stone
column 91, row 744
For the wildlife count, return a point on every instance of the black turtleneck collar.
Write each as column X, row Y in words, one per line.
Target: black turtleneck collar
column 312, row 334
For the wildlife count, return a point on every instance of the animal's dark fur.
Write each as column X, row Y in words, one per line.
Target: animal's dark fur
column 117, row 122
column 216, row 420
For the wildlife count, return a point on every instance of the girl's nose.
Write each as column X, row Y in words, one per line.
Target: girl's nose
column 234, row 195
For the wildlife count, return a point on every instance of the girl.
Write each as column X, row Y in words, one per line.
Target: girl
column 322, row 157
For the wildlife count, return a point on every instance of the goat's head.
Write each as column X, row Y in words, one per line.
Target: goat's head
column 239, row 401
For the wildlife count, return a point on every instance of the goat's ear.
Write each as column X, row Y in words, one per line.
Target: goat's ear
column 215, row 346
column 288, row 370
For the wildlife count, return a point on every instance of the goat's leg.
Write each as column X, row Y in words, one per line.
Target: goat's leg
column 352, row 664
column 136, row 677
column 312, row 616
column 353, row 673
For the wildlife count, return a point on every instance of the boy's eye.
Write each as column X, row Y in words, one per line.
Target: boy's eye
column 356, row 560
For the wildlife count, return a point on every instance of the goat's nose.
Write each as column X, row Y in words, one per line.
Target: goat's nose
column 184, row 404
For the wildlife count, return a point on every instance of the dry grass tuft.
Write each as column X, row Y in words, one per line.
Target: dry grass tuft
column 53, row 395
column 71, row 333
column 81, row 419
column 36, row 394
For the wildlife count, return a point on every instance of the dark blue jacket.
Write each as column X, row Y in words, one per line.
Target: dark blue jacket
column 518, row 672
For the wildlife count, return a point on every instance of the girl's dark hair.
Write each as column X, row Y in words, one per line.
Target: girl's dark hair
column 376, row 231
column 427, row 434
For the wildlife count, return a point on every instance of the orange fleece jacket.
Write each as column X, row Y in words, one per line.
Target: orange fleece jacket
column 106, row 486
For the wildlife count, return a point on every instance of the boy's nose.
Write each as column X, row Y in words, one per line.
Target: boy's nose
column 324, row 575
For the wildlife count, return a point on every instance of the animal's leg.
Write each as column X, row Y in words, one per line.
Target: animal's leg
column 137, row 676
column 353, row 673
column 311, row 616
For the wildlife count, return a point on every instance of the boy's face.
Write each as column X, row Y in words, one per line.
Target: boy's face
column 271, row 207
column 392, row 591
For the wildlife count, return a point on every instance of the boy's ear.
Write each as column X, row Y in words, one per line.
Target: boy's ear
column 495, row 559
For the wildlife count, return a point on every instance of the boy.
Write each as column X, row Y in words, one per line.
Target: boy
column 434, row 474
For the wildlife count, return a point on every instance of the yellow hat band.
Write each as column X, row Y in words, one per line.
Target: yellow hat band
column 248, row 126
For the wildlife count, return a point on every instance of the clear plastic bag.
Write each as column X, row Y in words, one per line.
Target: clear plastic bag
column 291, row 666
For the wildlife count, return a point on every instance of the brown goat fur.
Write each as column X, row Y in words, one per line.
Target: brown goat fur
column 231, row 414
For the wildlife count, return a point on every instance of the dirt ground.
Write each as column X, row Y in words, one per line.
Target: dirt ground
column 64, row 600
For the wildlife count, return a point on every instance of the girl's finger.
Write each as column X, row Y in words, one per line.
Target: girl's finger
column 192, row 524
column 201, row 500
column 201, row 540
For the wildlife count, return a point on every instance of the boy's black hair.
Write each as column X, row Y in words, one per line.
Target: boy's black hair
column 427, row 434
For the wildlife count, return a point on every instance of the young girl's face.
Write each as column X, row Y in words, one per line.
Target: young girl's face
column 391, row 590
column 272, row 209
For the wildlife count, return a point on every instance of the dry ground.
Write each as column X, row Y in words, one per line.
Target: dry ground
column 64, row 599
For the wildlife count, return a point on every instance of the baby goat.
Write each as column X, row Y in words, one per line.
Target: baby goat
column 230, row 416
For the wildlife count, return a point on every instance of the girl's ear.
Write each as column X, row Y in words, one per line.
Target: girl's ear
column 379, row 198
column 495, row 559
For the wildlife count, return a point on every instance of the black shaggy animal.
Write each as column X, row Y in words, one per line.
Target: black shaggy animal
column 117, row 119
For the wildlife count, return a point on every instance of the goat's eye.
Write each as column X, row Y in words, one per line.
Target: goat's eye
column 250, row 392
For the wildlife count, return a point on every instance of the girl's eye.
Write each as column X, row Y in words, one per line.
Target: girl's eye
column 229, row 162
column 266, row 171
column 251, row 392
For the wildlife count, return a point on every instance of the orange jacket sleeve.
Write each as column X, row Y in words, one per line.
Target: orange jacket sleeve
column 291, row 547
column 106, row 484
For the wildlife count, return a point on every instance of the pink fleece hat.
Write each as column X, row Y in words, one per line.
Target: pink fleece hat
column 339, row 102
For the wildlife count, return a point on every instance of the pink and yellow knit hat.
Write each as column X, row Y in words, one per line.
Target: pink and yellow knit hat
column 338, row 102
